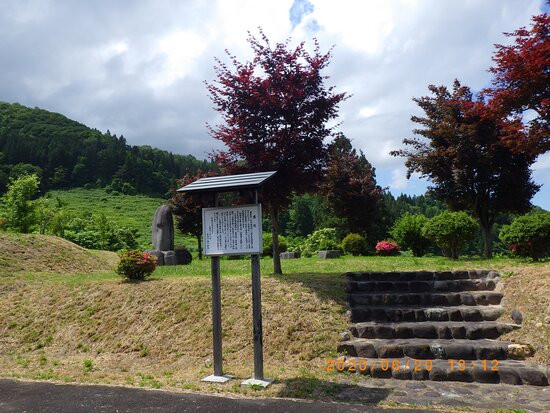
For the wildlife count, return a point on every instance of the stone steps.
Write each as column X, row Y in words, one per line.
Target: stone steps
column 445, row 322
column 422, row 275
column 427, row 349
column 431, row 329
column 470, row 298
column 480, row 284
column 419, row 313
column 505, row 371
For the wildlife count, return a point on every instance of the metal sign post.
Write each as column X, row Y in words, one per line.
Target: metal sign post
column 233, row 231
column 257, row 329
column 218, row 376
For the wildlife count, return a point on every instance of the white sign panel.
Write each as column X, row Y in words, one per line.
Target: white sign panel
column 232, row 230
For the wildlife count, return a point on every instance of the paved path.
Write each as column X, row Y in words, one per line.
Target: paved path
column 473, row 395
column 30, row 397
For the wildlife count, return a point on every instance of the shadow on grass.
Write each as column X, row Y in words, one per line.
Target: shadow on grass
column 326, row 285
column 313, row 388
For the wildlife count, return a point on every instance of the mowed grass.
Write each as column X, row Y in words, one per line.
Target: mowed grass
column 312, row 265
column 132, row 211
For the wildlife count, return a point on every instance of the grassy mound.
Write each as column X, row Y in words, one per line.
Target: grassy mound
column 44, row 253
column 158, row 333
column 98, row 329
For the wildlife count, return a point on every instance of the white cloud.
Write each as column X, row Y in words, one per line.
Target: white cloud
column 137, row 69
column 361, row 26
column 398, row 180
column 180, row 51
column 367, row 111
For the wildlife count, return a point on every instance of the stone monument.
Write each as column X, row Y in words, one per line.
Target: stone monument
column 163, row 229
column 163, row 239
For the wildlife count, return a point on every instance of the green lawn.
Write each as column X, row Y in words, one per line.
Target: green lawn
column 133, row 211
column 304, row 267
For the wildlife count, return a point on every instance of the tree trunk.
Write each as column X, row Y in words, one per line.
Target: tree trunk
column 487, row 229
column 199, row 242
column 275, row 234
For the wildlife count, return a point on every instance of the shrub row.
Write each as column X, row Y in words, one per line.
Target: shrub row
column 527, row 236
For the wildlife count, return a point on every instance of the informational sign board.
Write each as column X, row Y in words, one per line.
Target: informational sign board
column 232, row 230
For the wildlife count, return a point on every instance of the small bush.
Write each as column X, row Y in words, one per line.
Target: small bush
column 354, row 244
column 98, row 232
column 267, row 241
column 387, row 248
column 136, row 265
column 407, row 231
column 322, row 239
column 451, row 231
column 17, row 210
column 294, row 244
column 528, row 235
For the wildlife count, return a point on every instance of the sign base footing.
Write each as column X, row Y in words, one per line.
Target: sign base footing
column 217, row 379
column 256, row 382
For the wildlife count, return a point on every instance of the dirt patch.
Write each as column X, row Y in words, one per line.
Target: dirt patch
column 45, row 253
column 528, row 290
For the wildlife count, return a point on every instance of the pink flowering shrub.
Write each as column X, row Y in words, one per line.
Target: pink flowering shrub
column 386, row 248
column 136, row 265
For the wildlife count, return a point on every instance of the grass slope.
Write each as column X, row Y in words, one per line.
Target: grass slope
column 43, row 253
column 95, row 328
column 133, row 211
column 528, row 291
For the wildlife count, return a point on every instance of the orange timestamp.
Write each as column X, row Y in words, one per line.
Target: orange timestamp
column 362, row 364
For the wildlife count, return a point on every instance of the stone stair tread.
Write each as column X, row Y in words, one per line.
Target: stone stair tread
column 513, row 372
column 424, row 307
column 473, row 292
column 437, row 323
column 421, row 341
column 398, row 313
column 424, row 286
column 472, row 330
column 420, row 348
column 422, row 275
column 470, row 298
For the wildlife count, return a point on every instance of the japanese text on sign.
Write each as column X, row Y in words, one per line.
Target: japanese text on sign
column 232, row 230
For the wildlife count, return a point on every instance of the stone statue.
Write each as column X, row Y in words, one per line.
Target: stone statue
column 163, row 239
column 163, row 229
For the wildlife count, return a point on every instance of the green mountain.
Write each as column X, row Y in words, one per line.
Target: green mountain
column 68, row 154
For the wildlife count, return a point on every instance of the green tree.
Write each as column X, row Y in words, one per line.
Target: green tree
column 18, row 210
column 528, row 235
column 300, row 222
column 451, row 231
column 407, row 231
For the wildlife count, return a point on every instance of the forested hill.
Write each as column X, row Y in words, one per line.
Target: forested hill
column 67, row 154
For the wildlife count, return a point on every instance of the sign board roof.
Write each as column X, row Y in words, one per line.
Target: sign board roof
column 228, row 183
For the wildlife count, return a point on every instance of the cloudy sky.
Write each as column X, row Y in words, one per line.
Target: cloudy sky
column 137, row 67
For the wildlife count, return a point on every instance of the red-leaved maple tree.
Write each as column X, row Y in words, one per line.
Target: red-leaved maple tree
column 275, row 110
column 522, row 82
column 464, row 151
